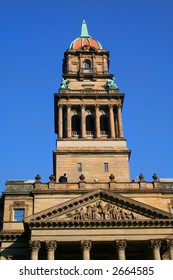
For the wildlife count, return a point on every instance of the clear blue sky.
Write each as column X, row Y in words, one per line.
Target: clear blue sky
column 33, row 37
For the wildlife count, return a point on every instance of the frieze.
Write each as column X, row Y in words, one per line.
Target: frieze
column 102, row 211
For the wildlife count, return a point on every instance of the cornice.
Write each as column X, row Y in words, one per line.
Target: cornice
column 10, row 235
column 101, row 224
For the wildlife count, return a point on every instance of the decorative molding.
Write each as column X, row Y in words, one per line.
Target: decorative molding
column 10, row 236
column 101, row 224
column 18, row 203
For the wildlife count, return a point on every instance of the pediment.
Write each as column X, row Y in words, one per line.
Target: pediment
column 99, row 207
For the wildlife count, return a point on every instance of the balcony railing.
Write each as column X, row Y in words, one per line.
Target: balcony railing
column 89, row 133
column 75, row 133
column 104, row 132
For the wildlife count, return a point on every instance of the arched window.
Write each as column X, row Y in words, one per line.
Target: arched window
column 104, row 125
column 87, row 64
column 90, row 125
column 76, row 126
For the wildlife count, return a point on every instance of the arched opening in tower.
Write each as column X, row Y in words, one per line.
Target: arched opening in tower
column 104, row 127
column 76, row 125
column 90, row 125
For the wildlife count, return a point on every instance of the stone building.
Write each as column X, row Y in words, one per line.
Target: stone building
column 89, row 209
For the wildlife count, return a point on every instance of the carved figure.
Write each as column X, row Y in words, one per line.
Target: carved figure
column 95, row 213
column 89, row 212
column 100, row 211
column 82, row 214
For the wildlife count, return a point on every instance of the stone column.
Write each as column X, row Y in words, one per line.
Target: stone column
column 83, row 121
column 86, row 246
column 169, row 243
column 93, row 62
column 105, row 64
column 51, row 247
column 121, row 246
column 120, row 122
column 155, row 245
column 97, row 121
column 68, row 121
column 60, row 121
column 112, row 124
column 35, row 247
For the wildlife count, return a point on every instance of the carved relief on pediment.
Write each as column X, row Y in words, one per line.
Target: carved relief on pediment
column 102, row 211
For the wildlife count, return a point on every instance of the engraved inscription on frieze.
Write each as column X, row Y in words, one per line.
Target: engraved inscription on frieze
column 102, row 211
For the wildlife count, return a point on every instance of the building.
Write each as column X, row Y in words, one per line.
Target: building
column 89, row 209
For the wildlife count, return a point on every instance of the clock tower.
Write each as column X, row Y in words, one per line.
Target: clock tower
column 88, row 116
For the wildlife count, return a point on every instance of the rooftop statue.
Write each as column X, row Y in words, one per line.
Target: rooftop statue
column 111, row 83
column 64, row 83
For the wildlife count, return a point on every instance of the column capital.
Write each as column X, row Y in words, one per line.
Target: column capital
column 155, row 243
column 121, row 244
column 60, row 106
column 97, row 106
column 86, row 244
column 83, row 106
column 35, row 245
column 169, row 243
column 51, row 245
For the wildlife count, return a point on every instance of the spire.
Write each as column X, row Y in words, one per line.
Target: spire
column 84, row 30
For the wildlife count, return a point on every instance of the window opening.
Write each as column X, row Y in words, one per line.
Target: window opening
column 87, row 64
column 106, row 167
column 19, row 214
column 79, row 167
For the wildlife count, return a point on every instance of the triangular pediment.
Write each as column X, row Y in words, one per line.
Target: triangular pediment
column 99, row 206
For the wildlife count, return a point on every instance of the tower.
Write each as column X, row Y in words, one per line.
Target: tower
column 88, row 116
column 104, row 215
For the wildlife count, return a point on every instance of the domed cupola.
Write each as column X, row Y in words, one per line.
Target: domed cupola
column 85, row 41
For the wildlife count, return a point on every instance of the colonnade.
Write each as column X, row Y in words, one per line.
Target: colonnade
column 97, row 121
column 86, row 246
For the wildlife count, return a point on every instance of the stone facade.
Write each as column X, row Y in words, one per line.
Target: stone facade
column 89, row 208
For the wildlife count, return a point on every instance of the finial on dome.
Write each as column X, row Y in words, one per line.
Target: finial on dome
column 84, row 30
